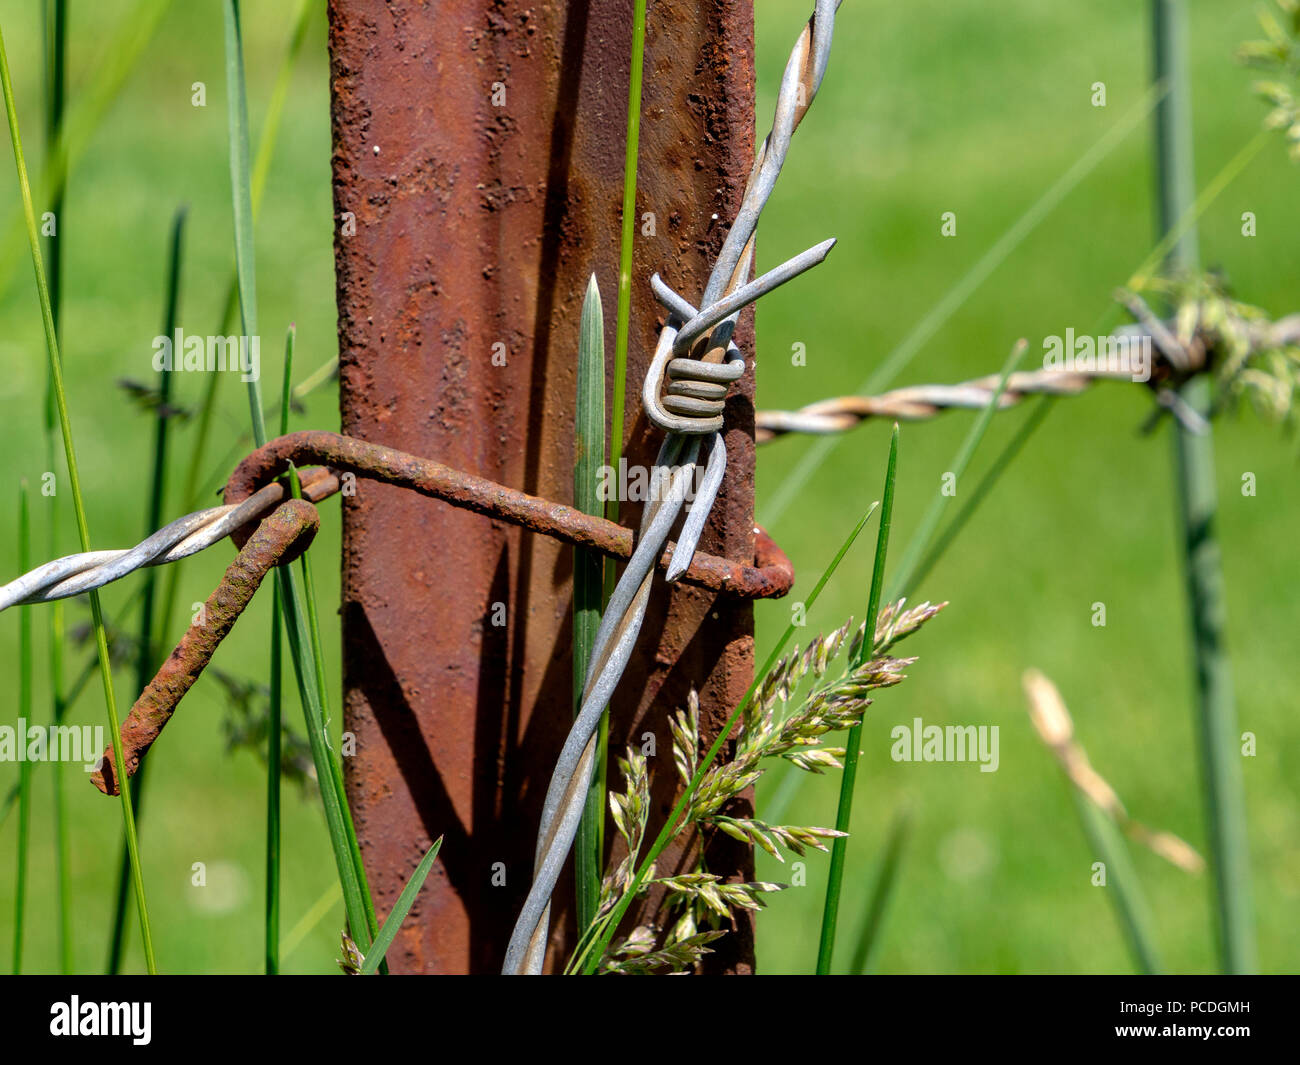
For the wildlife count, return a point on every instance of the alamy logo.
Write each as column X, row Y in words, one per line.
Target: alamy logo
column 950, row 743
column 1117, row 355
column 102, row 1018
column 195, row 354
column 52, row 743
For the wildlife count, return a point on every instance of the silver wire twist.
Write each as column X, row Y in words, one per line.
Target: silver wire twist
column 691, row 412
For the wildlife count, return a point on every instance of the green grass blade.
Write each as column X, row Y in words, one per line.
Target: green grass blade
column 337, row 818
column 1122, row 884
column 631, row 149
column 242, row 201
column 1221, row 777
column 591, row 947
column 299, row 604
column 56, row 41
column 982, row 490
column 844, row 815
column 594, row 816
column 589, row 456
column 273, row 755
column 74, row 481
column 882, row 891
column 384, row 940
column 275, row 719
column 149, row 638
column 207, row 404
column 903, row 582
column 24, row 718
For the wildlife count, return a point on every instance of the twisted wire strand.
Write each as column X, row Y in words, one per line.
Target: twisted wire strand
column 692, row 408
column 75, row 574
column 921, row 402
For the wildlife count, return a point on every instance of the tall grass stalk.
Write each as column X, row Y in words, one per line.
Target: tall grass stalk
column 588, row 457
column 591, row 947
column 149, row 638
column 56, row 51
column 1221, row 777
column 24, row 718
column 79, row 507
column 844, row 815
column 275, row 719
column 1131, row 910
column 299, row 608
column 261, row 168
column 622, row 326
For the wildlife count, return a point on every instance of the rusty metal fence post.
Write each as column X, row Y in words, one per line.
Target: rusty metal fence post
column 477, row 170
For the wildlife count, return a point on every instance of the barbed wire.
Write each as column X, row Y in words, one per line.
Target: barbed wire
column 691, row 413
column 77, row 574
column 1177, row 358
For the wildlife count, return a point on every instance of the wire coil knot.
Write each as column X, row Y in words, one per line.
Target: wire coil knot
column 696, row 393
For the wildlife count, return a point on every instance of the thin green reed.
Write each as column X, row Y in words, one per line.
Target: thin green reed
column 1124, row 887
column 1221, row 777
column 24, row 718
column 588, row 457
column 74, row 482
column 55, row 14
column 299, row 608
column 275, row 717
column 622, row 326
column 844, row 815
column 149, row 639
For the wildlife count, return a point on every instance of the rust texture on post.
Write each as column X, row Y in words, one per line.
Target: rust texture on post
column 478, row 152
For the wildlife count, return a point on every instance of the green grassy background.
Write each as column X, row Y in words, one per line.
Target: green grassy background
column 927, row 107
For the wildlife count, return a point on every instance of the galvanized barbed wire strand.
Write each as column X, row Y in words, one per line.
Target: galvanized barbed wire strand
column 920, row 402
column 79, row 573
column 693, row 405
column 615, row 640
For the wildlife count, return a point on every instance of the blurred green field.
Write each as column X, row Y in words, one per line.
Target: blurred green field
column 927, row 107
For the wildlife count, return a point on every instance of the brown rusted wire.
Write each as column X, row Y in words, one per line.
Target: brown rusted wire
column 279, row 538
column 770, row 575
column 286, row 533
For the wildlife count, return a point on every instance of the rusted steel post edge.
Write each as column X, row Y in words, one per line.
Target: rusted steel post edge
column 771, row 575
column 280, row 538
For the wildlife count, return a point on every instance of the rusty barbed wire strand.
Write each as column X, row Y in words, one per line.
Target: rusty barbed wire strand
column 249, row 496
column 280, row 538
column 252, row 490
column 690, row 411
column 921, row 402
